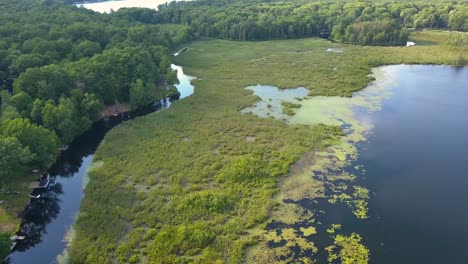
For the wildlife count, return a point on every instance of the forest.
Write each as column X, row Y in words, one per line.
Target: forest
column 58, row 74
column 357, row 22
column 61, row 66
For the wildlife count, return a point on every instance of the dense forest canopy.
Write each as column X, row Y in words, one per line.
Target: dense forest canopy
column 358, row 22
column 60, row 65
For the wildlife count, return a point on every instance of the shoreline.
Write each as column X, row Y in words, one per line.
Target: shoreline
column 15, row 211
column 83, row 148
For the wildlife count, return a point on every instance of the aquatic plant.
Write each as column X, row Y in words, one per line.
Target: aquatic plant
column 348, row 250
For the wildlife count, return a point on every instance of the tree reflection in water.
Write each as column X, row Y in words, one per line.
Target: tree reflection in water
column 42, row 211
column 38, row 214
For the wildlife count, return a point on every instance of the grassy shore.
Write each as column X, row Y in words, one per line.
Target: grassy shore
column 194, row 183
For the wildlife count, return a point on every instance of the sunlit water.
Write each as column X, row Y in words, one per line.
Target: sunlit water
column 108, row 6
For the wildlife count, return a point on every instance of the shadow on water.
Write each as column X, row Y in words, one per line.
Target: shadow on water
column 56, row 199
column 46, row 220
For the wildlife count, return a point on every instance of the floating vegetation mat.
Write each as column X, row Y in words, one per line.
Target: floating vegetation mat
column 321, row 179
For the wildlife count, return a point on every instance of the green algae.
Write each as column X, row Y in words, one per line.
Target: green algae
column 308, row 231
column 290, row 213
column 328, row 110
column 288, row 239
column 359, row 202
column 333, row 228
column 320, row 174
column 348, row 249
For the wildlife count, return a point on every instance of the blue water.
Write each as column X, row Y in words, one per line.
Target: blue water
column 416, row 163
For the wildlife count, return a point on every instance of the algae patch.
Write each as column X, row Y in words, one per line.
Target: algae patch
column 348, row 249
column 294, row 230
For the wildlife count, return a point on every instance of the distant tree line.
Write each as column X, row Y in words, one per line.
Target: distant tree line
column 357, row 22
column 60, row 65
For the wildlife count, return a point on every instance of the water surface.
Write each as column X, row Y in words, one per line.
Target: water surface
column 416, row 163
column 406, row 142
column 108, row 6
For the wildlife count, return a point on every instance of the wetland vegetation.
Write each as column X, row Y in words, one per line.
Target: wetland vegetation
column 209, row 175
column 221, row 176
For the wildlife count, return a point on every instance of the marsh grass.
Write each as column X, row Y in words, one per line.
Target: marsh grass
column 288, row 108
column 207, row 197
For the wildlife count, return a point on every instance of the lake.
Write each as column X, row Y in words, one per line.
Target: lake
column 406, row 143
column 108, row 6
column 416, row 163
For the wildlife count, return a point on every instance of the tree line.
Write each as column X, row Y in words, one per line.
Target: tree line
column 357, row 22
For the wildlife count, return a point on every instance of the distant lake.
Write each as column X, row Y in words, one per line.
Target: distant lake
column 107, row 6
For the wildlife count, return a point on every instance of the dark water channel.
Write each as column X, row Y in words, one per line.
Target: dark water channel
column 47, row 219
column 416, row 167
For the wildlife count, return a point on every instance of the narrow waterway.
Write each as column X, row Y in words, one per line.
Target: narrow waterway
column 47, row 220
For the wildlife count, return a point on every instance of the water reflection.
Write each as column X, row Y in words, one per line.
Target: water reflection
column 45, row 220
column 39, row 213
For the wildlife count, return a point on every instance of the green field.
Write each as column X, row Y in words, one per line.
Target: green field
column 197, row 182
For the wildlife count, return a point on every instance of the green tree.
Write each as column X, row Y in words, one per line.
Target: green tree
column 165, row 64
column 48, row 82
column 85, row 49
column 458, row 19
column 26, row 61
column 63, row 119
column 36, row 111
column 41, row 142
column 171, row 77
column 139, row 94
column 23, row 103
column 91, row 106
column 14, row 159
